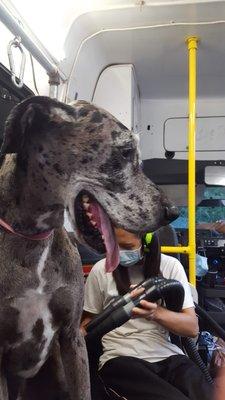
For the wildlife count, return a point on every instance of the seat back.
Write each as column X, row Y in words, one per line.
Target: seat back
column 98, row 389
column 168, row 237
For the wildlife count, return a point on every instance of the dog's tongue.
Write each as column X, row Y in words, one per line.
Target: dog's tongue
column 105, row 227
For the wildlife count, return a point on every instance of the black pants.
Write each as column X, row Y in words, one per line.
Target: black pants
column 176, row 378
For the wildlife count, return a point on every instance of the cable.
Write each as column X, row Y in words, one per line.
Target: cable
column 134, row 28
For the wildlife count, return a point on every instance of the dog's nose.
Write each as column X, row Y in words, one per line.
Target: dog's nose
column 171, row 213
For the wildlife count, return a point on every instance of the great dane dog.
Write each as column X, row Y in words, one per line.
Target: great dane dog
column 56, row 157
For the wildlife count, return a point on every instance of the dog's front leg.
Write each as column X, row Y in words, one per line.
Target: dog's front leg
column 3, row 382
column 75, row 362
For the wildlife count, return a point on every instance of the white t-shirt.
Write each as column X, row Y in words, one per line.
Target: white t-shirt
column 137, row 337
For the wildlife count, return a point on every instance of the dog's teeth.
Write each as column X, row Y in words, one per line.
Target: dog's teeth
column 85, row 198
column 90, row 215
column 86, row 206
column 103, row 237
column 93, row 222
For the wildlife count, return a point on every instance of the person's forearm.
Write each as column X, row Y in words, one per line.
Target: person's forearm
column 220, row 385
column 178, row 323
column 86, row 318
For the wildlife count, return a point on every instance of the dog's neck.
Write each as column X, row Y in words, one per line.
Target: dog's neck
column 26, row 204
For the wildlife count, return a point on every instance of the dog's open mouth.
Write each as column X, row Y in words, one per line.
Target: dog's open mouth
column 96, row 228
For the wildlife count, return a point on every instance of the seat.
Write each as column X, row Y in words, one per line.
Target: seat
column 168, row 237
column 98, row 390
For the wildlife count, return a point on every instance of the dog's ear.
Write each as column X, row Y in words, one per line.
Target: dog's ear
column 20, row 124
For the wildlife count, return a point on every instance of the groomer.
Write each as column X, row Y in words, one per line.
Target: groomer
column 139, row 361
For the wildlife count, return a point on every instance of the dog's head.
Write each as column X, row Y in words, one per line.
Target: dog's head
column 91, row 162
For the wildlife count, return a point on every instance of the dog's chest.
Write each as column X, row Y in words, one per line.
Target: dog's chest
column 36, row 325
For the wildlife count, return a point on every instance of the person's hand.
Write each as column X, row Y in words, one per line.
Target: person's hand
column 219, row 226
column 135, row 292
column 148, row 311
column 83, row 331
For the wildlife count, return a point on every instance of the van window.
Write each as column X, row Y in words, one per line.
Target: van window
column 211, row 208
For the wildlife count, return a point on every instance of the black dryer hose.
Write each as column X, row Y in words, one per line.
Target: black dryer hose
column 169, row 290
column 192, row 352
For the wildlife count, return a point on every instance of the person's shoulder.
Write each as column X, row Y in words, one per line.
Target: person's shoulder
column 169, row 260
column 170, row 265
column 99, row 274
column 99, row 265
column 98, row 268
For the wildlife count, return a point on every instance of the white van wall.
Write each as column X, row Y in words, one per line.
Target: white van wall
column 152, row 39
column 159, row 134
column 162, row 123
column 117, row 92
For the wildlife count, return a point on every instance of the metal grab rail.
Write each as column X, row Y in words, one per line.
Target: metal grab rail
column 18, row 27
column 16, row 43
column 175, row 249
column 192, row 44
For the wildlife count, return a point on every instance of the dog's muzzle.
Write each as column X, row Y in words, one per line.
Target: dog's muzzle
column 171, row 213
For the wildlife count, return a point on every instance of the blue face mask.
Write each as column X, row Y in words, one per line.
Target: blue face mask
column 201, row 265
column 130, row 257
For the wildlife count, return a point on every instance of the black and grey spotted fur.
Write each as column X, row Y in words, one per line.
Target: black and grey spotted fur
column 51, row 152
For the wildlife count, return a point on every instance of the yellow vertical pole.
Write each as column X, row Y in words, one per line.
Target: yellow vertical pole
column 192, row 44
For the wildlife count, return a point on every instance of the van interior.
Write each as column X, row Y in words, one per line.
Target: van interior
column 130, row 57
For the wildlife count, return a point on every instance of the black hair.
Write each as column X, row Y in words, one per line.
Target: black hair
column 152, row 260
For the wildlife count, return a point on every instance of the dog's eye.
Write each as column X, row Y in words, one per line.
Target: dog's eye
column 127, row 153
